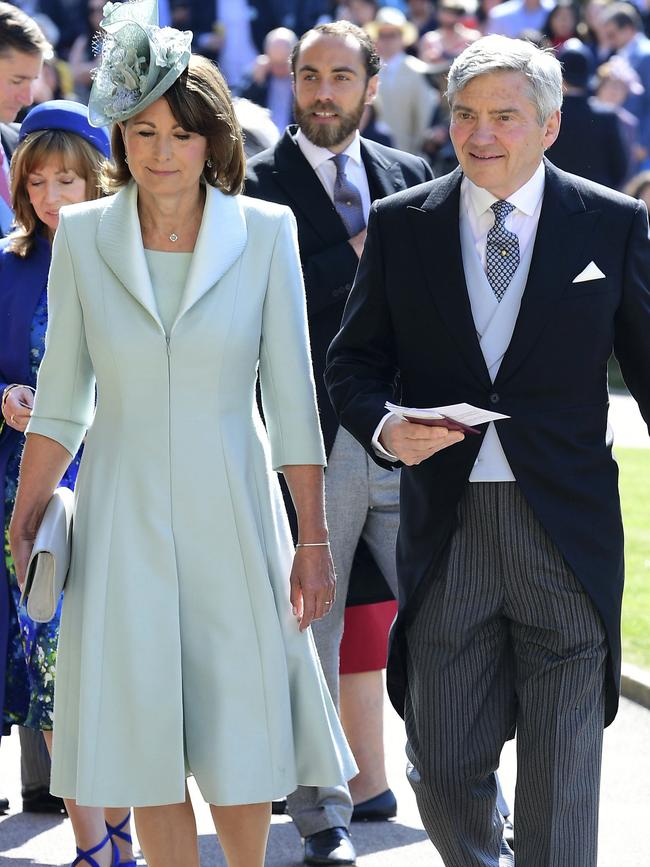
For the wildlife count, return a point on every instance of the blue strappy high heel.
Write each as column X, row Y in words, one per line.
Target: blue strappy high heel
column 85, row 856
column 116, row 831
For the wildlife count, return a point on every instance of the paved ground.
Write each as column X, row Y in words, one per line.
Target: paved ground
column 32, row 841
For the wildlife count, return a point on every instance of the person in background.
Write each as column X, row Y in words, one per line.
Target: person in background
column 57, row 163
column 591, row 142
column 270, row 85
column 514, row 17
column 258, row 129
column 359, row 12
column 623, row 28
column 561, row 23
column 615, row 82
column 329, row 175
column 405, row 99
column 451, row 36
column 183, row 583
column 82, row 58
column 23, row 48
column 422, row 13
column 591, row 31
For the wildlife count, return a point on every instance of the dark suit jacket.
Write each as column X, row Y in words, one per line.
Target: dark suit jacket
column 409, row 314
column 591, row 142
column 282, row 174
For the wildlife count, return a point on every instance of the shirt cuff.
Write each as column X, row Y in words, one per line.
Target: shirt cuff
column 377, row 446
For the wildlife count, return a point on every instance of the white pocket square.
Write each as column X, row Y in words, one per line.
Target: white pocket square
column 591, row 272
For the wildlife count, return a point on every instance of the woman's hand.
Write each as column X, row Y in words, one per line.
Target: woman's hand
column 17, row 407
column 313, row 584
column 21, row 542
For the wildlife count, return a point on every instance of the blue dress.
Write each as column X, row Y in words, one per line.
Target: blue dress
column 31, row 647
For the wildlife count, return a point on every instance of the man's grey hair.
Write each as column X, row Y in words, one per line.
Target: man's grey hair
column 501, row 54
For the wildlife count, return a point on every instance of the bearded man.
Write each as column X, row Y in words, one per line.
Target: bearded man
column 328, row 175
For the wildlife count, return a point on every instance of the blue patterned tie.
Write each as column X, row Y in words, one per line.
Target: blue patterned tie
column 347, row 198
column 502, row 250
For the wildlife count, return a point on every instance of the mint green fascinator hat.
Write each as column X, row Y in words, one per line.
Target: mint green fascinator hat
column 139, row 61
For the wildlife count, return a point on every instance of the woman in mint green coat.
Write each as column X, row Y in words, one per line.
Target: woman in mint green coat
column 185, row 646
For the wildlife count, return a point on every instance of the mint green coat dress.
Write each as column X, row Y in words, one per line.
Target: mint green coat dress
column 179, row 653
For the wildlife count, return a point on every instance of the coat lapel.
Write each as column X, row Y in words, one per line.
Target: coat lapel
column 220, row 242
column 304, row 191
column 119, row 241
column 564, row 228
column 385, row 176
column 436, row 228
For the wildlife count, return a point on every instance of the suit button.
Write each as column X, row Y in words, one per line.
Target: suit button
column 494, row 397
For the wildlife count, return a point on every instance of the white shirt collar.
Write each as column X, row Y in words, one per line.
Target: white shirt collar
column 525, row 199
column 316, row 155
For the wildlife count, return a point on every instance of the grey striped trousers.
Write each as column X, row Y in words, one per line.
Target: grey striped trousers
column 506, row 636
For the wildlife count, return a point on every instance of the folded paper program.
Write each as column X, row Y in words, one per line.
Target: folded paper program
column 458, row 416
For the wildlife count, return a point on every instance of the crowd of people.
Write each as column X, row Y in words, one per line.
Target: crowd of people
column 208, row 353
column 602, row 44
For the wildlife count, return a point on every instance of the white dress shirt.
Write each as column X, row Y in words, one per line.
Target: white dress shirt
column 320, row 159
column 476, row 214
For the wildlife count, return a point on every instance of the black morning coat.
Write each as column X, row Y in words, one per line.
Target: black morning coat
column 409, row 313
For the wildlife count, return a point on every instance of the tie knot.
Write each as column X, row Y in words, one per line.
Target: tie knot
column 501, row 210
column 340, row 161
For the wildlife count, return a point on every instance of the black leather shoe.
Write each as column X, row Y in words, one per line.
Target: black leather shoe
column 40, row 801
column 4, row 804
column 377, row 809
column 331, row 846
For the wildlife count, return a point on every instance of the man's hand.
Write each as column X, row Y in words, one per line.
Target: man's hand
column 413, row 443
column 357, row 242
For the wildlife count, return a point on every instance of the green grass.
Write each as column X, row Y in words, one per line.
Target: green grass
column 635, row 496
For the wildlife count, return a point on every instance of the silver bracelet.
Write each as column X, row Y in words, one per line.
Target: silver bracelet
column 312, row 544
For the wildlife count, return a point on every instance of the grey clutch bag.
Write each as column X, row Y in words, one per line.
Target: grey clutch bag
column 50, row 558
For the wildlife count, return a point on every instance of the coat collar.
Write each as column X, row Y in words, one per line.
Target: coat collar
column 220, row 242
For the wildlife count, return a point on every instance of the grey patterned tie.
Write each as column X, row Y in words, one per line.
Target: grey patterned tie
column 347, row 198
column 502, row 250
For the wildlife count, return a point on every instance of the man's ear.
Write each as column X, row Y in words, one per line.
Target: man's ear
column 371, row 89
column 552, row 128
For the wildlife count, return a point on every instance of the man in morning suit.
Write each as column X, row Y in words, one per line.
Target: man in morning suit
column 22, row 48
column 328, row 175
column 505, row 284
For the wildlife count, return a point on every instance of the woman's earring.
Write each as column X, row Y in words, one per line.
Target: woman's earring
column 126, row 159
column 208, row 164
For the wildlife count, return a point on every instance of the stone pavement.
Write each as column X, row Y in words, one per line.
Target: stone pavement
column 28, row 840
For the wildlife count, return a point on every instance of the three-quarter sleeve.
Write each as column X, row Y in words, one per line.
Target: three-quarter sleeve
column 65, row 388
column 286, row 377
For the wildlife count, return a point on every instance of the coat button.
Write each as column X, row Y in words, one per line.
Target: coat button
column 494, row 397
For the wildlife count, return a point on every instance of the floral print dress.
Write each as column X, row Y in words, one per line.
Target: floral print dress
column 31, row 652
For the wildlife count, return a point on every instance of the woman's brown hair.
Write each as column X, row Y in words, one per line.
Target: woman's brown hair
column 200, row 102
column 38, row 148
